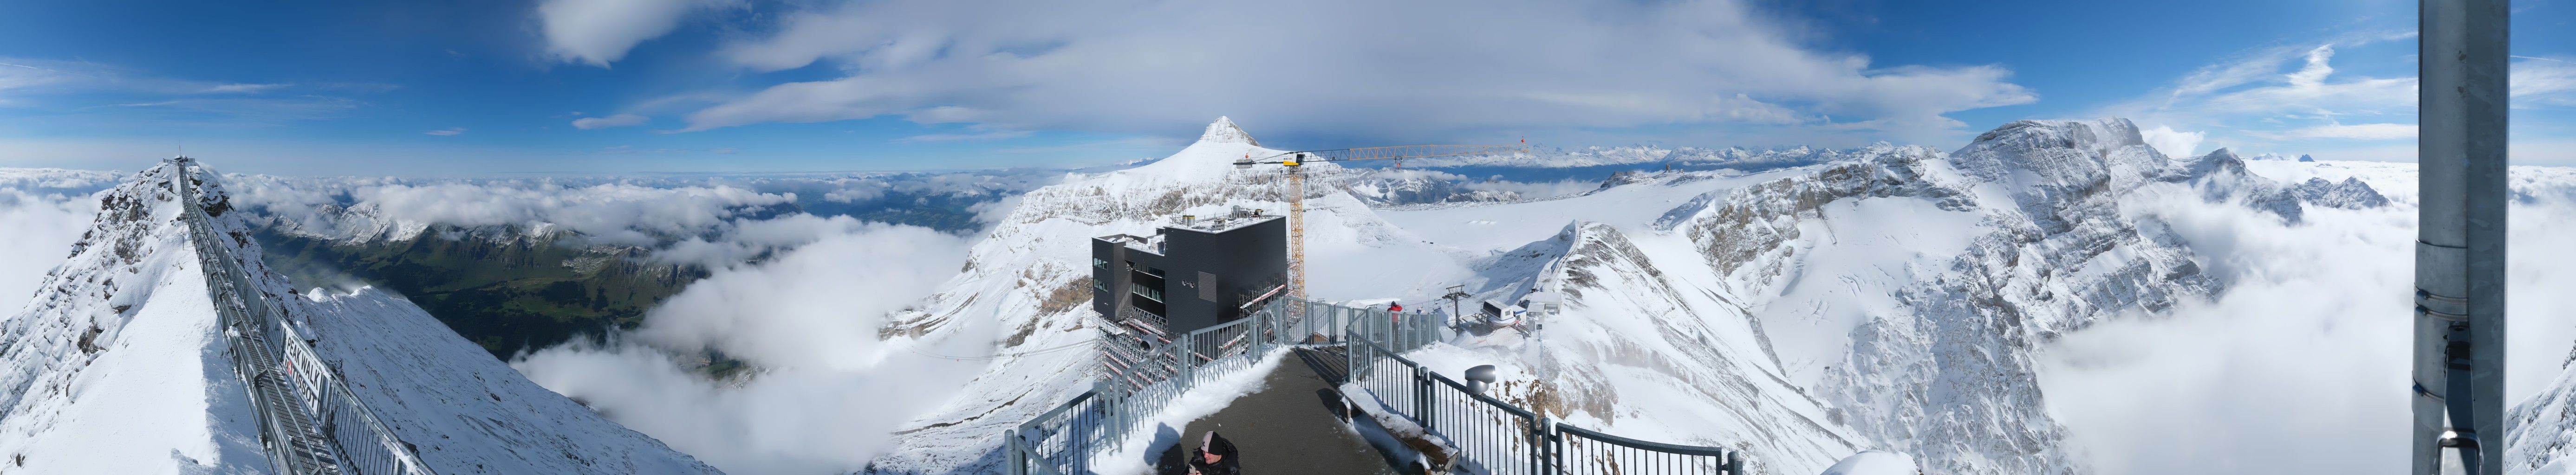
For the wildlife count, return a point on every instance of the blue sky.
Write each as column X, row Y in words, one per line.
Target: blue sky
column 508, row 87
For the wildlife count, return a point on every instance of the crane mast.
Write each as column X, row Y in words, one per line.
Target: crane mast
column 1294, row 162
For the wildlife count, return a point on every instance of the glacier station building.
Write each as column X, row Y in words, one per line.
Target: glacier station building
column 1193, row 275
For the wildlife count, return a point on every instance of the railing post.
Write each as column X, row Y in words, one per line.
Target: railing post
column 1422, row 397
column 1113, row 415
column 1542, row 444
column 1550, row 454
column 1351, row 345
column 1018, row 460
column 1181, row 352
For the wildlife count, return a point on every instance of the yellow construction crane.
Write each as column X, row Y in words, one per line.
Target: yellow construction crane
column 1297, row 188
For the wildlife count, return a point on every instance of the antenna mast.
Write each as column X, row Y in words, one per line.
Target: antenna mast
column 2460, row 238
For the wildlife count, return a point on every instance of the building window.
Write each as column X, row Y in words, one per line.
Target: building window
column 1148, row 292
column 1141, row 279
column 1098, row 263
column 1150, row 307
column 1098, row 286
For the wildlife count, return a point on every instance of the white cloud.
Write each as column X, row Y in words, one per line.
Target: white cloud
column 82, row 88
column 223, row 88
column 2172, row 143
column 42, row 228
column 2264, row 362
column 2294, row 100
column 2539, row 81
column 615, row 212
column 992, row 212
column 830, row 393
column 2358, row 131
column 446, row 131
column 628, row 210
column 2313, row 75
column 1380, row 69
column 2309, row 91
column 994, row 135
column 612, row 211
column 743, row 239
column 2216, row 386
column 598, row 32
column 2278, row 97
column 620, row 120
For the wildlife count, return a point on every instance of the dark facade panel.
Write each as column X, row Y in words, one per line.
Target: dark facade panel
column 1205, row 276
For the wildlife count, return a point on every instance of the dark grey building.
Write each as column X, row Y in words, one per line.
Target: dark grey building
column 1194, row 275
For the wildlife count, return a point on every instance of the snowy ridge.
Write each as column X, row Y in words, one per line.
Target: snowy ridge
column 1641, row 353
column 2541, row 432
column 116, row 367
column 2027, row 194
column 1937, row 359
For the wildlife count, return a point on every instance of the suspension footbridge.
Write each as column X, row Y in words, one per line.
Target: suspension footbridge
column 310, row 423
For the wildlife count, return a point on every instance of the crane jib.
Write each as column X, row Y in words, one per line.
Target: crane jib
column 1378, row 153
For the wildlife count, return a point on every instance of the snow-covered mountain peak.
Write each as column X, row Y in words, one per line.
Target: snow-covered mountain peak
column 2053, row 160
column 1224, row 131
column 1208, row 160
column 2100, row 134
column 2217, row 161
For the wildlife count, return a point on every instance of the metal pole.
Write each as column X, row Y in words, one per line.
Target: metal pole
column 1181, row 353
column 2460, row 240
column 1019, row 463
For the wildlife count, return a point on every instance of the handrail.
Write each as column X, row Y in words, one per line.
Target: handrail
column 1068, row 405
column 323, row 395
column 1481, row 397
column 1641, row 444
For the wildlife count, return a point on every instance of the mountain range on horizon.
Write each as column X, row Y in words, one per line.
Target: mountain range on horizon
column 1977, row 309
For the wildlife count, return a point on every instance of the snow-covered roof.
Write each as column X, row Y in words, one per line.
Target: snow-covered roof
column 1150, row 244
column 1219, row 225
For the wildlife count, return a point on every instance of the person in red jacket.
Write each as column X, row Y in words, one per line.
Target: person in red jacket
column 1395, row 310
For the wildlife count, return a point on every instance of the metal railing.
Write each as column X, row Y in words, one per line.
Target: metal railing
column 1058, row 442
column 1487, row 435
column 291, row 388
column 1496, row 437
column 1579, row 450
